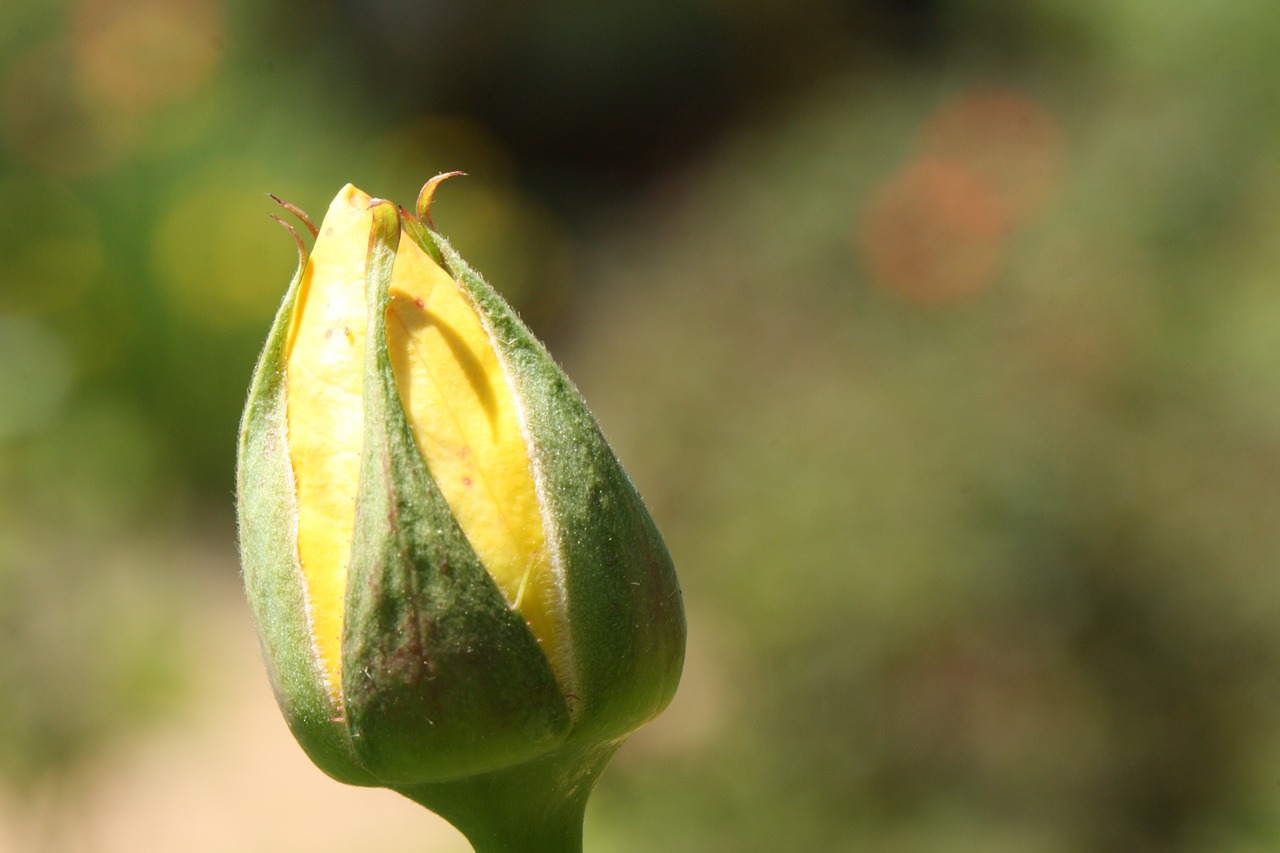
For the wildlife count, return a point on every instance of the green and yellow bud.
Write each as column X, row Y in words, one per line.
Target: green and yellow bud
column 459, row 593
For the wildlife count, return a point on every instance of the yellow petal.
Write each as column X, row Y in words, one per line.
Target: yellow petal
column 324, row 377
column 466, row 423
column 464, row 417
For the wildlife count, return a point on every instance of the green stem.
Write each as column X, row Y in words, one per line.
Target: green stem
column 536, row 807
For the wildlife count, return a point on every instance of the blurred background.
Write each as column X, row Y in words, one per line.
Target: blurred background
column 942, row 337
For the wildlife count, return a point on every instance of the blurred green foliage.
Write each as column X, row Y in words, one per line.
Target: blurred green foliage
column 941, row 337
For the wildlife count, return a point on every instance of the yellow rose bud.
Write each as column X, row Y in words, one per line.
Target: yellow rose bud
column 458, row 591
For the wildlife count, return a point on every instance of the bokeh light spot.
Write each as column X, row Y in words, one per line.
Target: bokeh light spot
column 1011, row 143
column 939, row 229
column 137, row 54
column 933, row 233
column 49, row 122
column 429, row 144
column 222, row 264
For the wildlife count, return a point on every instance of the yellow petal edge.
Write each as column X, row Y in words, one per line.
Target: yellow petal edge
column 464, row 417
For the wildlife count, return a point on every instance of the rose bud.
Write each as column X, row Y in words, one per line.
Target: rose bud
column 459, row 593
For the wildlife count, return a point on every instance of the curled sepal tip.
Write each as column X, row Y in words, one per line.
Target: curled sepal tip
column 429, row 192
column 296, row 211
column 297, row 239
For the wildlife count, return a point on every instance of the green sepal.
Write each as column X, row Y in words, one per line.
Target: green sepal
column 624, row 610
column 267, row 513
column 441, row 677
